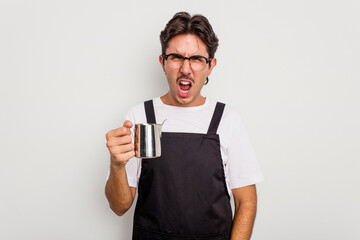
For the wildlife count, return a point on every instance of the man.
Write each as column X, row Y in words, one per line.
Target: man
column 206, row 152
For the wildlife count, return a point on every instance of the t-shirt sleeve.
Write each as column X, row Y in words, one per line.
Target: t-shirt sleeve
column 242, row 165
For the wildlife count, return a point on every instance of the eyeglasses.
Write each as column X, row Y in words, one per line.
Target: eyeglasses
column 176, row 61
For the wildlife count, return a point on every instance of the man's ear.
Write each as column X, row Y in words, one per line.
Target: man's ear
column 161, row 60
column 212, row 65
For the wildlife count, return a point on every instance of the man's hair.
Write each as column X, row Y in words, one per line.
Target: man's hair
column 184, row 23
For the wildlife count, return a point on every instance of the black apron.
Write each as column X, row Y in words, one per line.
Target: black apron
column 183, row 194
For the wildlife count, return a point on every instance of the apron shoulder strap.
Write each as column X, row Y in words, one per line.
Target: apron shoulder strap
column 214, row 124
column 149, row 110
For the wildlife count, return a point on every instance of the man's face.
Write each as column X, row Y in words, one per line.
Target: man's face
column 185, row 84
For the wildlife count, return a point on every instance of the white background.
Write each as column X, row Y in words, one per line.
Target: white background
column 69, row 70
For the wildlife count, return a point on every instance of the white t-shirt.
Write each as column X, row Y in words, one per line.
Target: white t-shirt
column 238, row 156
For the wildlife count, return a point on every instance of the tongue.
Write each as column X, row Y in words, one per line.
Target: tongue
column 185, row 87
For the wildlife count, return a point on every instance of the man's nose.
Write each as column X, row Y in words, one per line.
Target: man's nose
column 185, row 68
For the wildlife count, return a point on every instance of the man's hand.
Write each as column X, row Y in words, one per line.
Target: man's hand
column 119, row 143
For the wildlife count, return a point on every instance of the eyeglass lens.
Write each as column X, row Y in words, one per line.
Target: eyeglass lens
column 197, row 63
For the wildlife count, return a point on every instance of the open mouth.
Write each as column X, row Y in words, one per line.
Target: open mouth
column 184, row 88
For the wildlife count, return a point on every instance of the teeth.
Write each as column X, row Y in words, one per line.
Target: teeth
column 184, row 91
column 184, row 83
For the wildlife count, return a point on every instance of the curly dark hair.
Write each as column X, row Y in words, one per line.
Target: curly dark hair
column 184, row 23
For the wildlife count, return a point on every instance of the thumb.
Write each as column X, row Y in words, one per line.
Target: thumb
column 128, row 124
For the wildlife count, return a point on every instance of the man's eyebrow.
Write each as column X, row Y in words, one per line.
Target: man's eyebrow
column 178, row 52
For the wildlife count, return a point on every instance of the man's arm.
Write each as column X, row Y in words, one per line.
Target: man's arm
column 118, row 192
column 245, row 200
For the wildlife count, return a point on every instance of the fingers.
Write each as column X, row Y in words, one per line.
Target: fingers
column 119, row 143
column 122, row 158
column 122, row 131
column 125, row 130
column 123, row 149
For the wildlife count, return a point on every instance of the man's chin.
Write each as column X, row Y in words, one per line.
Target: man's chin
column 190, row 101
column 184, row 101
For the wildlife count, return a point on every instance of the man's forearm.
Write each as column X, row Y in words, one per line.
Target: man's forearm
column 117, row 190
column 243, row 221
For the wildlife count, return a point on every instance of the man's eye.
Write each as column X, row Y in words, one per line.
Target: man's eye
column 197, row 59
column 175, row 57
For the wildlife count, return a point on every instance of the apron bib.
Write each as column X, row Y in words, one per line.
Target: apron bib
column 183, row 194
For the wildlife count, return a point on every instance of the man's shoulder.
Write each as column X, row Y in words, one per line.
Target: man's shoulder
column 232, row 111
column 229, row 111
column 136, row 112
column 138, row 107
column 231, row 115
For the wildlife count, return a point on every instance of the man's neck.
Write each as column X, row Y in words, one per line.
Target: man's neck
column 169, row 100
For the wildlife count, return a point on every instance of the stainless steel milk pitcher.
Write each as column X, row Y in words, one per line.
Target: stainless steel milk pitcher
column 148, row 140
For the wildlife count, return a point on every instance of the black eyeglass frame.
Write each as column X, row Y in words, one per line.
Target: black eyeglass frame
column 166, row 56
